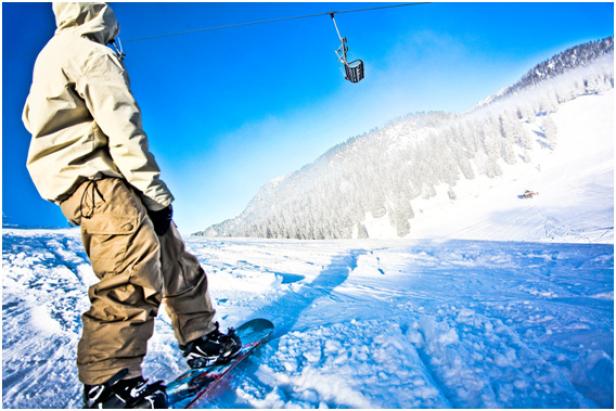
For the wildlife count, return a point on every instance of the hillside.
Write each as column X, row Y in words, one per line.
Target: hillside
column 387, row 183
column 577, row 56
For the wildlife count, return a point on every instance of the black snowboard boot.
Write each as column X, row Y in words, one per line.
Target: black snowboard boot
column 212, row 348
column 130, row 393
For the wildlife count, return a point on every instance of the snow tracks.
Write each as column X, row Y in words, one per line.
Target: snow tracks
column 358, row 324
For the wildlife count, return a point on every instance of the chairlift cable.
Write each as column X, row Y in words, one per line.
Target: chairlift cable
column 270, row 21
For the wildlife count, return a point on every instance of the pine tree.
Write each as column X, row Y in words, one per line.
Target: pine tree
column 549, row 131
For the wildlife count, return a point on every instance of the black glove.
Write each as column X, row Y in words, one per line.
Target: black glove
column 161, row 219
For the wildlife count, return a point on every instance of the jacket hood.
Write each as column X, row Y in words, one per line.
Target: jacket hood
column 94, row 20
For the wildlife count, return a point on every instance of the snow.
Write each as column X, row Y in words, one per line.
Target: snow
column 359, row 323
column 491, row 301
column 460, row 175
column 575, row 185
column 42, row 320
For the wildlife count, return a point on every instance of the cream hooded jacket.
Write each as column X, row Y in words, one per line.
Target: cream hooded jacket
column 84, row 121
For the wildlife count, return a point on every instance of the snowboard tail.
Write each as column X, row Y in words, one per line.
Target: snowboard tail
column 195, row 385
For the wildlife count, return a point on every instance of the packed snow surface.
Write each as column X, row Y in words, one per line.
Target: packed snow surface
column 360, row 324
column 574, row 182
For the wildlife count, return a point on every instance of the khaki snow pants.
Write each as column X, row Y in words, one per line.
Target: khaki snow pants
column 137, row 271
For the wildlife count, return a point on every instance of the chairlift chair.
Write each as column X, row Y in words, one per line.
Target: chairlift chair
column 354, row 70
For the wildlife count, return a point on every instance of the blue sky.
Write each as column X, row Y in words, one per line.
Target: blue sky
column 227, row 111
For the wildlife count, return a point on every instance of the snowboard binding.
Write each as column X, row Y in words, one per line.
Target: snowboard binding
column 213, row 348
column 130, row 393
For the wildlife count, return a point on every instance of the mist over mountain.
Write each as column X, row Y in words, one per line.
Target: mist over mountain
column 379, row 184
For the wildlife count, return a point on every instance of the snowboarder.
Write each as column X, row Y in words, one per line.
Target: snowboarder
column 89, row 154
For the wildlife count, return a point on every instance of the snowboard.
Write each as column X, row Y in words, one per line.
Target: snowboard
column 195, row 385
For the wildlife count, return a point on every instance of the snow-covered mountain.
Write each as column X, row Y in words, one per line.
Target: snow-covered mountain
column 580, row 55
column 461, row 175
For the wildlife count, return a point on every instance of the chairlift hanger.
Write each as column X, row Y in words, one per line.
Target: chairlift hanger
column 354, row 70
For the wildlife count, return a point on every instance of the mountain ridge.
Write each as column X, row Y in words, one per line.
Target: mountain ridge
column 578, row 55
column 381, row 173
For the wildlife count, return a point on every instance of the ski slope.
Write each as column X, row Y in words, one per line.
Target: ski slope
column 574, row 180
column 439, row 175
column 360, row 324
